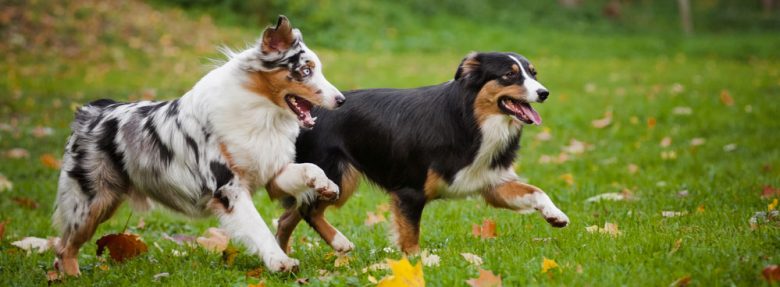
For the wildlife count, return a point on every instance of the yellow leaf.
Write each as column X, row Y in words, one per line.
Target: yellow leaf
column 548, row 264
column 404, row 274
column 342, row 260
column 568, row 178
column 772, row 205
column 103, row 267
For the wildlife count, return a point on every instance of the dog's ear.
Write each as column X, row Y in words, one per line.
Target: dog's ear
column 468, row 66
column 278, row 39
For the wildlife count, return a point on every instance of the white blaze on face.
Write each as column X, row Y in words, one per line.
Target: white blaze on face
column 318, row 81
column 531, row 85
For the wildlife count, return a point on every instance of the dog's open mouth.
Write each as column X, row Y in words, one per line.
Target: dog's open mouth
column 520, row 110
column 302, row 109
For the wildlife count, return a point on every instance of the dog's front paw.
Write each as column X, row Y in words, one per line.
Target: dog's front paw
column 555, row 217
column 281, row 263
column 341, row 244
column 316, row 179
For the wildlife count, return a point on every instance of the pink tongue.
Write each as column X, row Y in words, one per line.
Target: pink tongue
column 531, row 113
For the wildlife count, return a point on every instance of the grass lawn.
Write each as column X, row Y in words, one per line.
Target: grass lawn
column 696, row 134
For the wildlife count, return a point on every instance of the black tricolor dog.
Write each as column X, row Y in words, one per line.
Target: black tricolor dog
column 450, row 140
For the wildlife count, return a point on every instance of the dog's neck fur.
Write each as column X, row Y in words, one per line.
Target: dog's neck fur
column 258, row 134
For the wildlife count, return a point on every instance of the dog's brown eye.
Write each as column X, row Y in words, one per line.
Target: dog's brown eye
column 511, row 74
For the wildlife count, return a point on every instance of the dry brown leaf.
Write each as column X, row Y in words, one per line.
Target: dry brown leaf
column 575, row 147
column 485, row 279
column 48, row 160
column 2, row 229
column 302, row 281
column 17, row 153
column 40, row 131
column 374, row 218
column 472, row 258
column 632, row 168
column 216, row 241
column 25, row 202
column 103, row 267
column 254, row 273
column 771, row 273
column 342, row 260
column 121, row 246
column 651, row 122
column 34, row 243
column 726, row 99
column 769, row 191
column 609, row 228
column 603, row 122
column 5, row 184
column 682, row 281
column 229, row 255
column 486, row 230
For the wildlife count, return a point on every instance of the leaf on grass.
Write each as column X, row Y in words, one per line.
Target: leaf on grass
column 302, row 281
column 576, row 147
column 121, row 246
column 668, row 155
column 404, row 274
column 374, row 218
column 603, row 122
column 768, row 191
column 25, row 202
column 651, row 122
column 372, row 279
column 342, row 260
column 726, row 99
column 40, row 131
column 730, row 147
column 544, row 135
column 181, row 239
column 764, row 218
column 698, row 141
column 772, row 205
column 632, row 168
column 681, row 282
column 103, row 267
column 216, row 241
column 48, row 160
column 255, row 273
column 258, row 284
column 229, row 255
column 429, row 259
column 17, row 153
column 376, row 266
column 700, row 208
column 771, row 273
column 485, row 279
column 472, row 258
column 676, row 246
column 548, row 264
column 486, row 230
column 673, row 213
column 609, row 228
column 160, row 276
column 683, row 111
column 5, row 184
column 625, row 195
column 568, row 178
column 666, row 141
column 34, row 243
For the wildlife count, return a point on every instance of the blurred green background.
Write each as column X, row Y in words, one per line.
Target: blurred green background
column 692, row 128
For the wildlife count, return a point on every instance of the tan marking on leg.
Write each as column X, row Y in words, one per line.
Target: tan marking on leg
column 101, row 209
column 350, row 178
column 502, row 194
column 321, row 225
column 433, row 184
column 408, row 235
column 287, row 223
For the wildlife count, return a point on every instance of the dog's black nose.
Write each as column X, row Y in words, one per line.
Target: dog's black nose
column 542, row 94
column 340, row 100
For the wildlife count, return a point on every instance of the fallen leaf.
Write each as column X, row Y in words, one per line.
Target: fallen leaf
column 141, row 223
column 40, row 132
column 725, row 98
column 485, row 279
column 48, row 160
column 666, row 141
column 486, row 230
column 683, row 193
column 32, row 243
column 373, row 218
column 103, row 267
column 673, row 213
column 772, row 205
column 404, row 274
column 603, row 122
column 730, row 147
column 614, row 196
column 160, row 276
column 651, row 122
column 25, row 202
column 17, row 153
column 548, row 264
column 632, row 168
column 676, row 246
column 771, row 273
column 697, row 141
column 216, row 241
column 633, row 120
column 429, row 259
column 258, row 284
column 5, row 184
column 181, row 239
column 683, row 111
column 568, row 178
column 668, row 155
column 342, row 260
column 767, row 192
column 681, row 282
column 372, row 279
column 255, row 273
column 376, row 266
column 609, row 228
column 575, row 147
column 304, row 281
column 121, row 246
column 544, row 135
column 229, row 255
column 472, row 258
column 700, row 208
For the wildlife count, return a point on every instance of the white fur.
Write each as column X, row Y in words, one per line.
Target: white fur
column 531, row 85
column 341, row 244
column 538, row 200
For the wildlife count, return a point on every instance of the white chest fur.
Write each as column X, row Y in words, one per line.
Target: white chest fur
column 497, row 132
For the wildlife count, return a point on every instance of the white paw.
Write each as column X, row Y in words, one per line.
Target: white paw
column 316, row 179
column 281, row 263
column 341, row 244
column 555, row 217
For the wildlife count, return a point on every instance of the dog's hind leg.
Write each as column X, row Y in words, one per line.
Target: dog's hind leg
column 79, row 215
column 287, row 223
column 314, row 215
column 407, row 207
column 523, row 197
column 233, row 206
